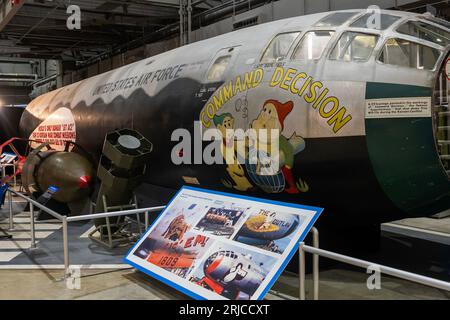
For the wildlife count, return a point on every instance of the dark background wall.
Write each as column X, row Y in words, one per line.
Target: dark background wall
column 9, row 122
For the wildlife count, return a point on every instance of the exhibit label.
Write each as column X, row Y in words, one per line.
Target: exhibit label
column 398, row 107
column 214, row 245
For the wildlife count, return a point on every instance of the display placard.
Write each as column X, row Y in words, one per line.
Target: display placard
column 398, row 107
column 215, row 245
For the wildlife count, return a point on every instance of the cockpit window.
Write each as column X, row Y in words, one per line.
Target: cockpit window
column 279, row 47
column 335, row 19
column 312, row 45
column 425, row 31
column 405, row 53
column 438, row 21
column 217, row 70
column 354, row 46
column 369, row 21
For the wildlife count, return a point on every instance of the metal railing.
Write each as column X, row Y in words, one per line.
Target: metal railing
column 302, row 267
column 65, row 220
column 316, row 252
column 303, row 248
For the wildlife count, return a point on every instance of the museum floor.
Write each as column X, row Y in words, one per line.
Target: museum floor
column 130, row 284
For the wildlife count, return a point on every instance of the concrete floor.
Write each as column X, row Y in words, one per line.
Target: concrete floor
column 94, row 284
column 343, row 284
column 131, row 284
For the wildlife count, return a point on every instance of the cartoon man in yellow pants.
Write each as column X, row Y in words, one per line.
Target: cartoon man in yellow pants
column 225, row 124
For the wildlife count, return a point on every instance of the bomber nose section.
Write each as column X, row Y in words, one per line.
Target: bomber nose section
column 68, row 171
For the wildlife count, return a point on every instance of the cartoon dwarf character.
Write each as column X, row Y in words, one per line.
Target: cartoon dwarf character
column 225, row 124
column 272, row 117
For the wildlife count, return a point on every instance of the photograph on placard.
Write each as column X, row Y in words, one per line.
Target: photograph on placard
column 269, row 230
column 231, row 271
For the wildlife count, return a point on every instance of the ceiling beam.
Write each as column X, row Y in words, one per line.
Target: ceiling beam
column 8, row 11
column 162, row 12
column 31, row 18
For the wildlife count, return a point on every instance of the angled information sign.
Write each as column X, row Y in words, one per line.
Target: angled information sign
column 215, row 245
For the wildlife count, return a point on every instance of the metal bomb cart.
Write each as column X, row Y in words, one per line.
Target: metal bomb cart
column 121, row 168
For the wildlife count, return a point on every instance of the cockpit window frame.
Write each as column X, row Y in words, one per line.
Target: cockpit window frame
column 300, row 34
column 415, row 37
column 232, row 51
column 352, row 16
column 325, row 51
column 394, row 23
column 407, row 38
column 374, row 53
column 438, row 22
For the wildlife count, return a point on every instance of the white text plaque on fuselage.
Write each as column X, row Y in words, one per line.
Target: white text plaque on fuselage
column 413, row 107
column 214, row 245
